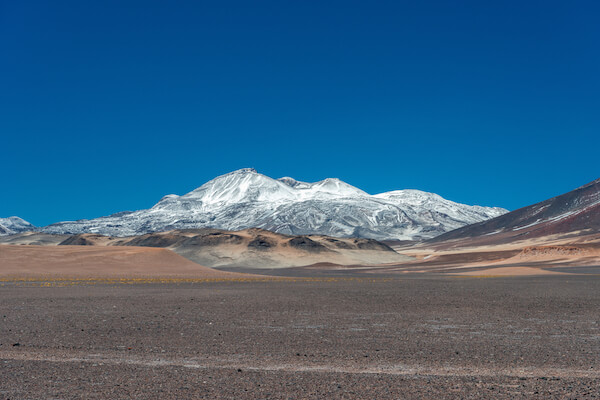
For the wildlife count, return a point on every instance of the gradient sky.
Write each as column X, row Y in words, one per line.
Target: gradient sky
column 107, row 106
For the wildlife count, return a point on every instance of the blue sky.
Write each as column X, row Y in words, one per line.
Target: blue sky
column 107, row 106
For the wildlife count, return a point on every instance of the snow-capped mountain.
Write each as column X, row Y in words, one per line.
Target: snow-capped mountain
column 12, row 225
column 246, row 199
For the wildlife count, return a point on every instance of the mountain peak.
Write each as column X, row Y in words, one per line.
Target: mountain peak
column 244, row 171
column 240, row 186
column 337, row 187
column 246, row 198
column 12, row 225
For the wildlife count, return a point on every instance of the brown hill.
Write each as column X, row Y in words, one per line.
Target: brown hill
column 561, row 232
column 25, row 261
column 253, row 248
column 33, row 238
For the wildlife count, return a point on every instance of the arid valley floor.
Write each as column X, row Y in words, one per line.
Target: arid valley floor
column 410, row 336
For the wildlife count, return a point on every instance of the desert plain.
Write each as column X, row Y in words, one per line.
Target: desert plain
column 136, row 322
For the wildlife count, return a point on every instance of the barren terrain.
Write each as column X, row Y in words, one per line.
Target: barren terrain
column 434, row 337
column 255, row 248
column 535, row 256
column 505, row 321
column 26, row 261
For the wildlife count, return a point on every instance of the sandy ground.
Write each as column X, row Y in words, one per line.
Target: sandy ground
column 255, row 248
column 510, row 271
column 278, row 253
column 495, row 322
column 25, row 261
column 473, row 245
column 225, row 256
column 33, row 238
column 539, row 256
column 410, row 338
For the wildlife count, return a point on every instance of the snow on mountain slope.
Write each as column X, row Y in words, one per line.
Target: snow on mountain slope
column 416, row 201
column 242, row 186
column 12, row 225
column 246, row 199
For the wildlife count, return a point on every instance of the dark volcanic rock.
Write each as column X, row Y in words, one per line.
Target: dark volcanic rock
column 80, row 240
column 214, row 239
column 338, row 244
column 371, row 244
column 262, row 243
column 306, row 244
column 207, row 237
column 155, row 240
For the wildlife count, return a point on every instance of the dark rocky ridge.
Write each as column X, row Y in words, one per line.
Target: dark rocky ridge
column 253, row 247
column 81, row 240
column 262, row 243
column 305, row 243
column 261, row 240
column 576, row 212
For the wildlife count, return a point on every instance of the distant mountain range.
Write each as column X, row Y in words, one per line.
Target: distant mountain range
column 575, row 213
column 12, row 225
column 247, row 199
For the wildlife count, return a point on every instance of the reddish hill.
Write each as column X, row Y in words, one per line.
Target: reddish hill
column 573, row 213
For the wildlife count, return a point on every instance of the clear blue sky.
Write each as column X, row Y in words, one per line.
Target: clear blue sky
column 107, row 106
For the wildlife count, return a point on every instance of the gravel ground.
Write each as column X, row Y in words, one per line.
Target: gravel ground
column 427, row 337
